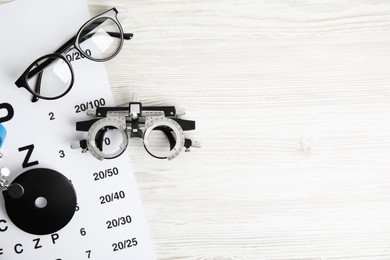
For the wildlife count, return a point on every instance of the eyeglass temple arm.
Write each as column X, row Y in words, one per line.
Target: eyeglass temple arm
column 95, row 24
column 37, row 87
column 65, row 47
column 126, row 36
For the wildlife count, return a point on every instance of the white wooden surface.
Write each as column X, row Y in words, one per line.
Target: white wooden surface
column 292, row 104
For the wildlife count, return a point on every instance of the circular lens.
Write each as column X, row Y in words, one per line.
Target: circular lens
column 107, row 138
column 158, row 142
column 101, row 39
column 50, row 77
column 163, row 138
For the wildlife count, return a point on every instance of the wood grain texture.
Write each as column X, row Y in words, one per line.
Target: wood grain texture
column 292, row 104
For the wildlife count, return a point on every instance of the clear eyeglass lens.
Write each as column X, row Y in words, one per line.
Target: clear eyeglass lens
column 112, row 142
column 158, row 143
column 100, row 39
column 50, row 77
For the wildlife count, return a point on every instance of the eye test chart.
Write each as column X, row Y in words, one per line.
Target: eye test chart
column 108, row 222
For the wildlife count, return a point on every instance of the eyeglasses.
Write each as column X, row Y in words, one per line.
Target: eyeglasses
column 51, row 76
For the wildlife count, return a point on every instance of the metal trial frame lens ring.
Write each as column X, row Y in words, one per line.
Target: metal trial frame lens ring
column 178, row 133
column 99, row 125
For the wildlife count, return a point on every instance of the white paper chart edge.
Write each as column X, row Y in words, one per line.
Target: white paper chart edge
column 33, row 119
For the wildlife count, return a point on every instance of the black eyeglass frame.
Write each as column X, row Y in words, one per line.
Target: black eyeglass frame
column 72, row 43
